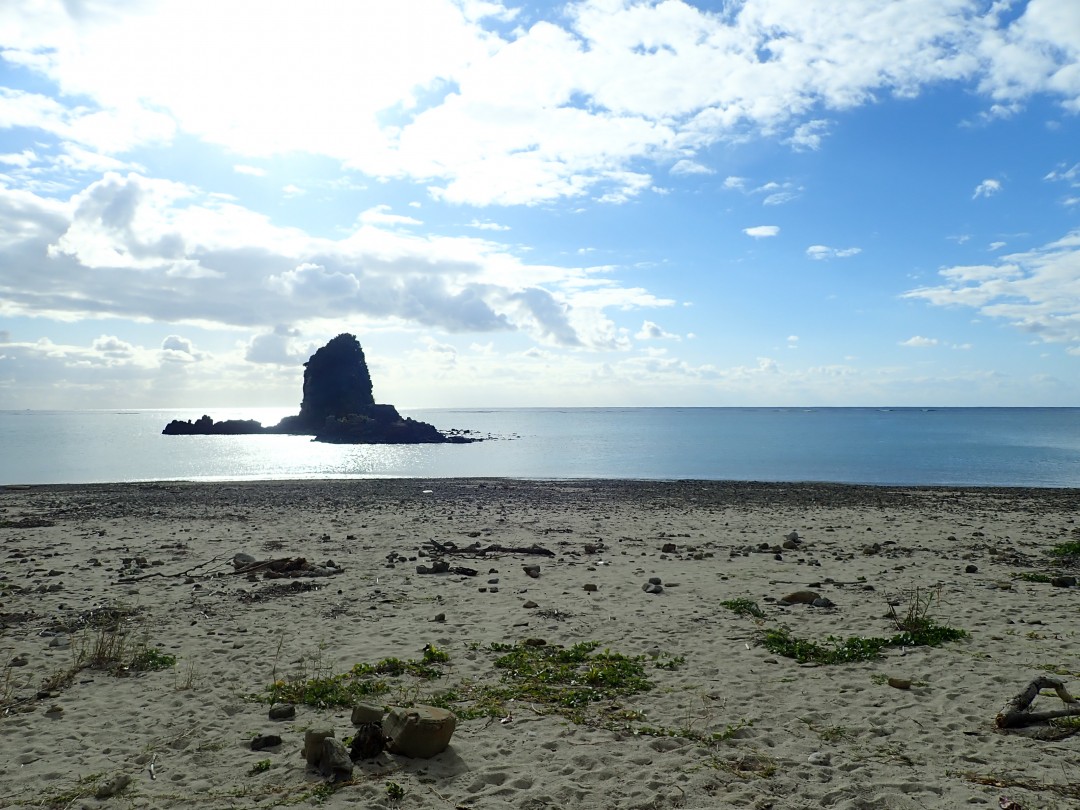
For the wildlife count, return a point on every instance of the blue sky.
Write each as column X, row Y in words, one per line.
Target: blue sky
column 607, row 202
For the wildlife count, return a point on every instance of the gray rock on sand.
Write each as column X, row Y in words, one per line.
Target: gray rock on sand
column 363, row 713
column 334, row 760
column 654, row 585
column 531, row 571
column 419, row 731
column 313, row 745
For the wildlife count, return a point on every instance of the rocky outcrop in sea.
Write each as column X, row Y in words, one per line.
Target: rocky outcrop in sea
column 337, row 407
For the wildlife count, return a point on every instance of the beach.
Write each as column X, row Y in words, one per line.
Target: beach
column 718, row 719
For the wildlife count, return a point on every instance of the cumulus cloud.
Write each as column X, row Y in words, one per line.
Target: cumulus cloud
column 987, row 188
column 254, row 171
column 809, row 135
column 278, row 347
column 567, row 104
column 919, row 342
column 653, row 331
column 112, row 347
column 134, row 247
column 822, row 252
column 1037, row 291
column 689, row 167
column 762, row 231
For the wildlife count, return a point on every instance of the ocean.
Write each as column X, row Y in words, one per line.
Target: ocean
column 1028, row 447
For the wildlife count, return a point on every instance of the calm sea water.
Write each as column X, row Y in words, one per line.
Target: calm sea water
column 959, row 446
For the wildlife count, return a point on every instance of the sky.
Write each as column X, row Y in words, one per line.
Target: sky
column 584, row 203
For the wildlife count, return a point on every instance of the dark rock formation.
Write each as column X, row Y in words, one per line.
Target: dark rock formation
column 337, row 407
column 336, row 382
column 205, row 426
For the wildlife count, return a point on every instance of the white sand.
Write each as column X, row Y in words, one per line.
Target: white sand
column 932, row 746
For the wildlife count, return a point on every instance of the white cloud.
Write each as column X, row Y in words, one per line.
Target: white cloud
column 176, row 349
column 21, row 159
column 822, row 252
column 997, row 245
column 735, row 183
column 154, row 250
column 652, row 331
column 254, row 171
column 567, row 106
column 987, row 188
column 919, row 342
column 689, row 167
column 380, row 215
column 809, row 135
column 280, row 346
column 1037, row 291
column 762, row 231
column 487, row 225
column 1065, row 174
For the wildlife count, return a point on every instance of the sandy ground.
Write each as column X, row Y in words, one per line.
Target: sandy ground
column 791, row 735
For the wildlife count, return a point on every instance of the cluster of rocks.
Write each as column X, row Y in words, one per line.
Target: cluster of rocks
column 792, row 542
column 337, row 407
column 419, row 732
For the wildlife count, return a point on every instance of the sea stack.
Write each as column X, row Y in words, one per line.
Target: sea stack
column 337, row 406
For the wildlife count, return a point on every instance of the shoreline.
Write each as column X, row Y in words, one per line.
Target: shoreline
column 727, row 721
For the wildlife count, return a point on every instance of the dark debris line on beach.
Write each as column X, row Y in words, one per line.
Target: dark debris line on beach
column 164, row 500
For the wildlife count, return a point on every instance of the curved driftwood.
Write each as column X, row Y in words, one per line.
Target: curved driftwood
column 1016, row 713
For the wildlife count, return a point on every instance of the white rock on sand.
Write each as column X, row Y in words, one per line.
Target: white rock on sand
column 787, row 735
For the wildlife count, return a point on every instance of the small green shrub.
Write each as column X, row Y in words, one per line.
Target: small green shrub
column 320, row 688
column 1033, row 576
column 1069, row 549
column 744, row 607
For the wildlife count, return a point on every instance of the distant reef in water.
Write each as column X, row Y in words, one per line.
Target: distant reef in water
column 337, row 407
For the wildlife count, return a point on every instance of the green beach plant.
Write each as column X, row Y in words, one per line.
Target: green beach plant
column 744, row 607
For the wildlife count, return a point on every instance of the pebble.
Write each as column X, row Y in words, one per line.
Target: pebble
column 971, row 569
column 820, row 758
column 530, row 605
column 591, row 587
column 1063, row 582
column 900, row 683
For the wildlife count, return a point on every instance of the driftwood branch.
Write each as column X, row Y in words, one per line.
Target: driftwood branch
column 187, row 573
column 1016, row 713
column 476, row 550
